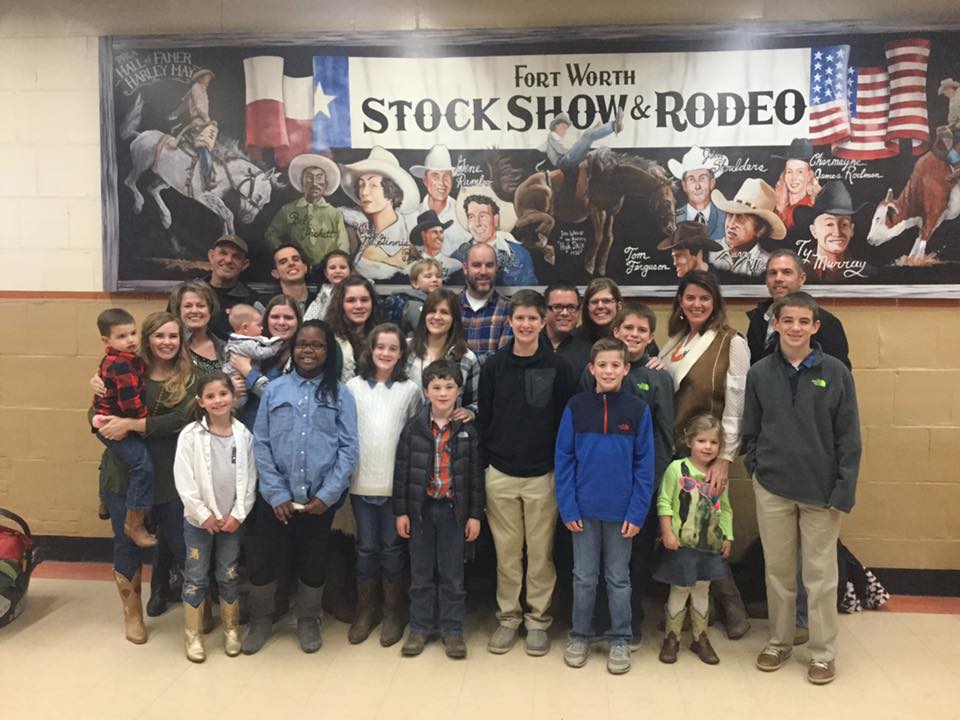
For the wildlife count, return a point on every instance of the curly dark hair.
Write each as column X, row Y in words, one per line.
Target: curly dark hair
column 367, row 370
column 337, row 320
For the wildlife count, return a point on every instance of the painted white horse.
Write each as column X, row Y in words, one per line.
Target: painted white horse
column 174, row 167
column 927, row 201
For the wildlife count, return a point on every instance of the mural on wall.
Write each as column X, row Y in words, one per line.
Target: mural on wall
column 641, row 164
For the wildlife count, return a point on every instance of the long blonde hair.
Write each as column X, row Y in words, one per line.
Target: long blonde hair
column 175, row 386
column 783, row 195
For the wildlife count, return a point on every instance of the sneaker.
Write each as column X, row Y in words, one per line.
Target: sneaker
column 576, row 653
column 821, row 672
column 454, row 646
column 538, row 642
column 801, row 636
column 771, row 658
column 618, row 660
column 414, row 644
column 502, row 640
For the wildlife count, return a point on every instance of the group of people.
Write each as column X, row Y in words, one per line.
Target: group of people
column 512, row 413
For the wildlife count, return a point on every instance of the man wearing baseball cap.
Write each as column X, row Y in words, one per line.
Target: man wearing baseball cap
column 228, row 258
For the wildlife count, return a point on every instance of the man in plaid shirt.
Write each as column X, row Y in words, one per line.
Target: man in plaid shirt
column 484, row 310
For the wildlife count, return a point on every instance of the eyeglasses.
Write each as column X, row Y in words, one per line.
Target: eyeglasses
column 689, row 484
column 304, row 345
column 601, row 301
column 562, row 308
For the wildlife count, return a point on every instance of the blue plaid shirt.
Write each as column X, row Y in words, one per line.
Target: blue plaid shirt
column 486, row 329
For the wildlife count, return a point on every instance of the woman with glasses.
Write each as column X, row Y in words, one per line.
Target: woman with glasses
column 601, row 303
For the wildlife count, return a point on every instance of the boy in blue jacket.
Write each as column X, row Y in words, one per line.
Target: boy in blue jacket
column 604, row 476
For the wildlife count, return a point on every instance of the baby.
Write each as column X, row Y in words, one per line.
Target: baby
column 247, row 340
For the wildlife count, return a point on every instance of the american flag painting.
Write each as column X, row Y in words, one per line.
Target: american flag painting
column 829, row 113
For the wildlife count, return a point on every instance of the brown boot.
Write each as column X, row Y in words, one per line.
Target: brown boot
column 367, row 615
column 192, row 637
column 394, row 611
column 727, row 597
column 671, row 642
column 701, row 643
column 133, row 528
column 132, row 607
column 230, row 619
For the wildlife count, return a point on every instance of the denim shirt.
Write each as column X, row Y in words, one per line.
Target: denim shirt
column 305, row 447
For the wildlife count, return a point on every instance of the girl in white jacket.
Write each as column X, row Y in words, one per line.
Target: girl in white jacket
column 216, row 477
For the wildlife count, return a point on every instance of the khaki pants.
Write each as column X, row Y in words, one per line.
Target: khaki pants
column 523, row 510
column 783, row 524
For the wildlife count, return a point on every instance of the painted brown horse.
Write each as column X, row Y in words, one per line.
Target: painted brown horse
column 596, row 190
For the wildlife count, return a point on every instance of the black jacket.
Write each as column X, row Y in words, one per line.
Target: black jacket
column 831, row 337
column 414, row 466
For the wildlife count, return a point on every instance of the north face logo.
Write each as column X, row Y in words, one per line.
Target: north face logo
column 625, row 427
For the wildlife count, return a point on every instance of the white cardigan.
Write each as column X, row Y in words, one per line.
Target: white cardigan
column 194, row 478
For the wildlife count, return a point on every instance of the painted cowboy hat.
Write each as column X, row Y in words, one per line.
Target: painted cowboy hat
column 754, row 197
column 833, row 199
column 201, row 72
column 691, row 236
column 381, row 162
column 308, row 160
column 508, row 214
column 946, row 84
column 425, row 221
column 438, row 159
column 696, row 158
column 560, row 118
column 799, row 149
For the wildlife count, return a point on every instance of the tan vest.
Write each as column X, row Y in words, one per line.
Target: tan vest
column 702, row 389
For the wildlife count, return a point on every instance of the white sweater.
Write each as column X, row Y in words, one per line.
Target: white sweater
column 194, row 478
column 381, row 414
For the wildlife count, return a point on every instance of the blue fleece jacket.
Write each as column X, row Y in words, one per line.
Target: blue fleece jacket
column 604, row 458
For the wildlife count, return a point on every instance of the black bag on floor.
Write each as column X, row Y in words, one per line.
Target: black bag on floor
column 18, row 558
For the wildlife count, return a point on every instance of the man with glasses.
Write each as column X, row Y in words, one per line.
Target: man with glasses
column 563, row 307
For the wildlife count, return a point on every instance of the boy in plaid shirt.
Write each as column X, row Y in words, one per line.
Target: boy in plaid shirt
column 121, row 371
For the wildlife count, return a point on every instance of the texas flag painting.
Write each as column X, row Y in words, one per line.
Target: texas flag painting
column 331, row 102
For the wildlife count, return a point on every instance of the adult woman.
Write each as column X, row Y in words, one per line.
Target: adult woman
column 708, row 361
column 439, row 335
column 601, row 303
column 282, row 319
column 354, row 311
column 195, row 304
column 170, row 389
column 797, row 185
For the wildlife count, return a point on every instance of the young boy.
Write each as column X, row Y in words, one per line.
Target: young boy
column 801, row 433
column 604, row 462
column 247, row 341
column 523, row 390
column 635, row 325
column 438, row 500
column 121, row 371
column 403, row 308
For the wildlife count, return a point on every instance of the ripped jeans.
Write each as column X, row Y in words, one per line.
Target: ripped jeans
column 202, row 550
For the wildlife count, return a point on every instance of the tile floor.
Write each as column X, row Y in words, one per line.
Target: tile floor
column 66, row 658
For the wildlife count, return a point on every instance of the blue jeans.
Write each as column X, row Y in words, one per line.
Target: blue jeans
column 132, row 451
column 378, row 545
column 436, row 551
column 203, row 549
column 578, row 152
column 601, row 539
column 169, row 519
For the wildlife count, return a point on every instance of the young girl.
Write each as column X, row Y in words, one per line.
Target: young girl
column 216, row 477
column 336, row 266
column 697, row 530
column 440, row 336
column 354, row 310
column 385, row 399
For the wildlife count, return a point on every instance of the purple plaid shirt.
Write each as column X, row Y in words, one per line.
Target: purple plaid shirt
column 486, row 329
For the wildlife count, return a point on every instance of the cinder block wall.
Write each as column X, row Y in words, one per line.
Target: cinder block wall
column 906, row 355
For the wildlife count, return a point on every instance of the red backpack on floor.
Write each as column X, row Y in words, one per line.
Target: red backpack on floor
column 18, row 557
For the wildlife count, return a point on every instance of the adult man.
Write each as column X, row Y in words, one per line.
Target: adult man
column 750, row 219
column 831, row 225
column 228, row 258
column 568, row 156
column 314, row 225
column 290, row 271
column 428, row 237
column 436, row 173
column 479, row 211
column 483, row 309
column 698, row 171
column 688, row 245
column 199, row 129
column 797, row 185
column 563, row 305
column 384, row 191
column 785, row 275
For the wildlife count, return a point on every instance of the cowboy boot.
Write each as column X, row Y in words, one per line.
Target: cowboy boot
column 206, row 616
column 192, row 637
column 673, row 625
column 132, row 607
column 367, row 614
column 309, row 610
column 133, row 528
column 230, row 619
column 727, row 596
column 261, row 618
column 701, row 643
column 394, row 611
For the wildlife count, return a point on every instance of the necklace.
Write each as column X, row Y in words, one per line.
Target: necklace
column 680, row 352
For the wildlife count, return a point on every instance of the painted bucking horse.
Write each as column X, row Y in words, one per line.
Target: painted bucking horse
column 596, row 189
column 177, row 168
